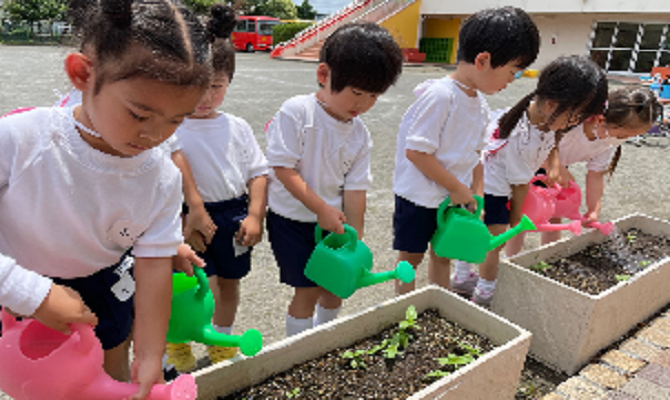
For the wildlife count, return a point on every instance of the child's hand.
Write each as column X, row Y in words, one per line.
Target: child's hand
column 331, row 219
column 185, row 259
column 196, row 241
column 198, row 220
column 589, row 218
column 146, row 372
column 462, row 196
column 64, row 306
column 250, row 232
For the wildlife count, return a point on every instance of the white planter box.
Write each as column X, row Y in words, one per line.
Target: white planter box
column 569, row 327
column 493, row 376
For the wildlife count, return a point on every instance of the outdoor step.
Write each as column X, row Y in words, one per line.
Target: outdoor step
column 643, row 389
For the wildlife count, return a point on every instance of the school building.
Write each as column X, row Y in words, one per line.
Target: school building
column 622, row 36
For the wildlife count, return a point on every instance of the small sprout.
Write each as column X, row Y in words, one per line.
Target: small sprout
column 540, row 267
column 293, row 393
column 644, row 263
column 453, row 359
column 471, row 350
column 356, row 358
column 436, row 374
column 631, row 238
column 378, row 347
column 622, row 278
column 410, row 319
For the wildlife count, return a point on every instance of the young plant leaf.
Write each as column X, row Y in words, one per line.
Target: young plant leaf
column 453, row 359
column 622, row 278
column 437, row 374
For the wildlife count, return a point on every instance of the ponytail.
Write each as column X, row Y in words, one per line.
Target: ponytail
column 508, row 122
column 614, row 162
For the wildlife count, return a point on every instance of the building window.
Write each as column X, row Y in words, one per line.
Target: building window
column 629, row 46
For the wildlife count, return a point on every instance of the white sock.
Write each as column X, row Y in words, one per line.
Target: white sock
column 297, row 325
column 324, row 315
column 486, row 286
column 228, row 330
column 463, row 270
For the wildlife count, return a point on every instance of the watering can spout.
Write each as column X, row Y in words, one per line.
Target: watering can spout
column 250, row 343
column 524, row 225
column 404, row 271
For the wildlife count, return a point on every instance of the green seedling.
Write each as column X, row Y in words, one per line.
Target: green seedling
column 356, row 358
column 457, row 361
column 410, row 319
column 540, row 267
column 631, row 238
column 378, row 347
column 622, row 278
column 644, row 263
column 473, row 351
column 293, row 393
column 436, row 374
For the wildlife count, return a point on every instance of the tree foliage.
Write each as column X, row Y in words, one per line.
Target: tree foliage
column 35, row 10
column 200, row 6
column 283, row 9
column 306, row 11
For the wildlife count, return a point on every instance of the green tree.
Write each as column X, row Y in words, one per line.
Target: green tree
column 306, row 11
column 35, row 11
column 200, row 6
column 283, row 9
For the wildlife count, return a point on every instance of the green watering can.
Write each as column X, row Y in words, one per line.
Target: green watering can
column 341, row 264
column 461, row 235
column 192, row 311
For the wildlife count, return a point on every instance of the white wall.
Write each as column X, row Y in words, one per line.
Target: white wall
column 547, row 6
column 571, row 31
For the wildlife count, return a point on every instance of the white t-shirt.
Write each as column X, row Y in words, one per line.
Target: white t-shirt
column 445, row 122
column 330, row 155
column 21, row 290
column 68, row 210
column 514, row 161
column 575, row 147
column 223, row 154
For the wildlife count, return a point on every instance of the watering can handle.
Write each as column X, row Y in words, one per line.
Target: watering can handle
column 441, row 211
column 203, row 284
column 8, row 321
column 348, row 230
column 543, row 179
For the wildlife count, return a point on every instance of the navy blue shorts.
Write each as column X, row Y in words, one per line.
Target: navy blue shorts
column 220, row 253
column 413, row 226
column 115, row 317
column 292, row 243
column 495, row 210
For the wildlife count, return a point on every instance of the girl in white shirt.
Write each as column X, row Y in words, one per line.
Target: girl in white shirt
column 569, row 90
column 630, row 112
column 82, row 186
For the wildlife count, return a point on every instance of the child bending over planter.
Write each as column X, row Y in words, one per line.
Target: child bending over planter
column 230, row 172
column 569, row 90
column 443, row 132
column 319, row 151
column 82, row 186
column 629, row 112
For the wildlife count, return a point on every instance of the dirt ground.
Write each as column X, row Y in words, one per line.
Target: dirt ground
column 258, row 89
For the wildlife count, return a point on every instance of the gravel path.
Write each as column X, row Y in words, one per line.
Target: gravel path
column 260, row 86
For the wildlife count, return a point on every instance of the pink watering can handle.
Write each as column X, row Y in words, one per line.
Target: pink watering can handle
column 8, row 321
column 553, row 190
column 605, row 228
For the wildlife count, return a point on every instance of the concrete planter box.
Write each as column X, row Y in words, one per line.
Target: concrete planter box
column 493, row 376
column 569, row 327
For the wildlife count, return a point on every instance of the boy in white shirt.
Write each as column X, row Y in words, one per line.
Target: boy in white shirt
column 320, row 154
column 230, row 173
column 442, row 134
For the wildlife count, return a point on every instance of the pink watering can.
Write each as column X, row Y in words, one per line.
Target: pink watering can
column 540, row 205
column 567, row 203
column 39, row 363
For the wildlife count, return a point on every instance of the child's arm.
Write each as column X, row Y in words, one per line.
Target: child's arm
column 26, row 293
column 478, row 180
column 198, row 218
column 595, row 186
column 153, row 294
column 251, row 228
column 519, row 193
column 431, row 167
column 353, row 203
column 328, row 217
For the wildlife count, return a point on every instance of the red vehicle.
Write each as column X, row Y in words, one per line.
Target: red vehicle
column 254, row 32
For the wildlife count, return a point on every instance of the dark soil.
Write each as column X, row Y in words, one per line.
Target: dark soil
column 602, row 266
column 332, row 377
column 537, row 380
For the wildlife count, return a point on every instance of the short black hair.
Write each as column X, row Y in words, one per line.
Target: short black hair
column 362, row 55
column 507, row 33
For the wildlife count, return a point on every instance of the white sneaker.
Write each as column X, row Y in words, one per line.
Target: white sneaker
column 464, row 287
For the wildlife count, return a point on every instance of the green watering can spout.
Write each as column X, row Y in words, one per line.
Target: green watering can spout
column 250, row 343
column 191, row 316
column 404, row 272
column 524, row 225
